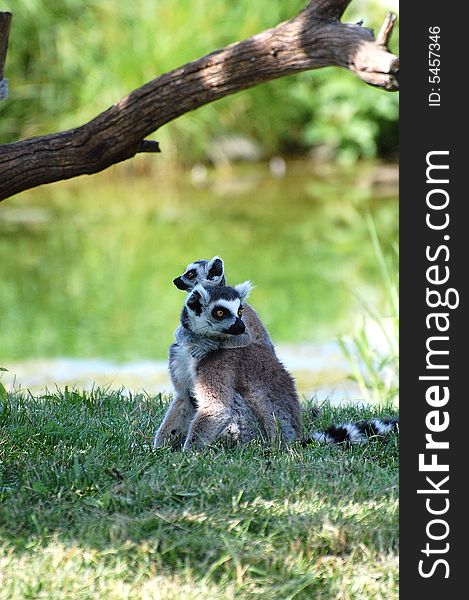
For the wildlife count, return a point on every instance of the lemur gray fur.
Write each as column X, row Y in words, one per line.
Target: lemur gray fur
column 209, row 273
column 244, row 392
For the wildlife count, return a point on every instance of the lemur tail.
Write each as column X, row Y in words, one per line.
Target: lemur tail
column 359, row 432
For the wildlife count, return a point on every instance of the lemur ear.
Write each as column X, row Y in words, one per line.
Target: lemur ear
column 196, row 299
column 215, row 269
column 244, row 289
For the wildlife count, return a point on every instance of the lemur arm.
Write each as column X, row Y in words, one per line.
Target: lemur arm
column 201, row 346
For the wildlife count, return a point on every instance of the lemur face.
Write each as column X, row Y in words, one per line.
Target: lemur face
column 216, row 312
column 203, row 272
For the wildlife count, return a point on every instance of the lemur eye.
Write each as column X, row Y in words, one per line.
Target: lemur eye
column 240, row 312
column 219, row 313
column 190, row 274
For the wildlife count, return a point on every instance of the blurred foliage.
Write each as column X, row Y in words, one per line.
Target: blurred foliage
column 373, row 348
column 70, row 59
column 86, row 265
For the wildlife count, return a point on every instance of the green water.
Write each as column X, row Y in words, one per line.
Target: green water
column 86, row 266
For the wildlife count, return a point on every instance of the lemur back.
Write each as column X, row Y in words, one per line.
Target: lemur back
column 258, row 332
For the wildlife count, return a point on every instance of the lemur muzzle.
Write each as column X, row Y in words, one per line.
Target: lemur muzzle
column 179, row 283
column 237, row 327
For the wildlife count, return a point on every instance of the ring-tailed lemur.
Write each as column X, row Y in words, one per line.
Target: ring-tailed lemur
column 190, row 345
column 209, row 273
column 359, row 432
column 243, row 391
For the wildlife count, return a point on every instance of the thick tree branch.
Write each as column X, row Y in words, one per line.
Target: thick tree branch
column 315, row 38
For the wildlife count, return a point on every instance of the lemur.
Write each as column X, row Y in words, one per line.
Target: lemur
column 242, row 391
column 189, row 344
column 211, row 272
column 192, row 345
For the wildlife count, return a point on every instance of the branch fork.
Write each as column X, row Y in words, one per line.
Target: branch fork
column 374, row 63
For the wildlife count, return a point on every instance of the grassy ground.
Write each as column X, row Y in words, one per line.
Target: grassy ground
column 87, row 511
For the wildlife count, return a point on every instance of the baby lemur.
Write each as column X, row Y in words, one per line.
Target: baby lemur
column 242, row 391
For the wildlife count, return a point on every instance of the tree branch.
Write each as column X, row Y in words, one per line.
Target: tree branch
column 385, row 32
column 5, row 22
column 313, row 39
column 327, row 10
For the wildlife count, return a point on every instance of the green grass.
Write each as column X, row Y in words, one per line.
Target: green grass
column 88, row 511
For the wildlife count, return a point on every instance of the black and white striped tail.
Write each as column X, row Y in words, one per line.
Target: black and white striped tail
column 355, row 433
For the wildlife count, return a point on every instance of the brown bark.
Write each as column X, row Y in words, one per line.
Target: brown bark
column 5, row 21
column 313, row 39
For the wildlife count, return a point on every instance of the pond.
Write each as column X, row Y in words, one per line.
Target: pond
column 86, row 266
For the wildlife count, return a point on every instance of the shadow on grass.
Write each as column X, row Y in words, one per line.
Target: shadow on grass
column 77, row 471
